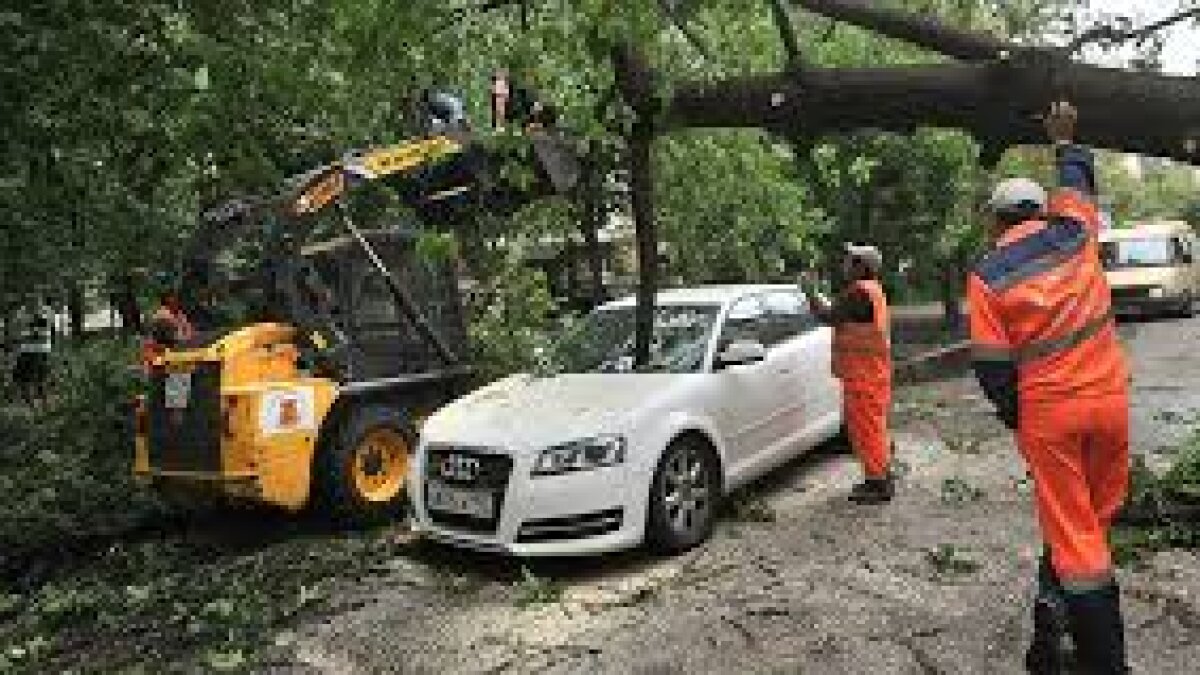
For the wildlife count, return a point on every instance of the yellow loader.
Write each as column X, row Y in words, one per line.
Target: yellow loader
column 315, row 395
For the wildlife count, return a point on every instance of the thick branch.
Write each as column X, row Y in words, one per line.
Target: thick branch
column 997, row 103
column 1113, row 35
column 922, row 31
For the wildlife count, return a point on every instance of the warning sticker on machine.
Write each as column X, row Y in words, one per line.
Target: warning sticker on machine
column 286, row 411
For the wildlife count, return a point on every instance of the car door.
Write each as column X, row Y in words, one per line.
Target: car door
column 815, row 344
column 744, row 400
column 800, row 358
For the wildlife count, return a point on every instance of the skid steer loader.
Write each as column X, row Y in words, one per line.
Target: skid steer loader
column 314, row 396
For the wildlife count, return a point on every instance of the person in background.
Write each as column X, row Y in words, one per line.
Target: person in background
column 1046, row 353
column 862, row 360
column 32, row 368
column 515, row 101
column 168, row 328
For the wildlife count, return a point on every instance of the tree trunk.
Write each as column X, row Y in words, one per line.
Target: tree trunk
column 642, row 186
column 75, row 309
column 125, row 300
column 997, row 103
column 996, row 96
column 592, row 222
column 952, row 318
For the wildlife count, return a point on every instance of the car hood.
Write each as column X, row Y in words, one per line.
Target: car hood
column 532, row 412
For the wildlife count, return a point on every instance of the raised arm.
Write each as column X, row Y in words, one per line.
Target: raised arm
column 1076, row 169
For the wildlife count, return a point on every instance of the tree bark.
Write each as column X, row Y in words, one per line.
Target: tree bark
column 997, row 103
column 996, row 97
column 592, row 202
column 125, row 300
column 636, row 84
column 919, row 30
column 75, row 309
column 642, row 188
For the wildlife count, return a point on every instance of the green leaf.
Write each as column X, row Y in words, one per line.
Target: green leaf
column 201, row 78
column 225, row 660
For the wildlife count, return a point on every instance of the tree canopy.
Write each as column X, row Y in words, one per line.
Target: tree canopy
column 125, row 120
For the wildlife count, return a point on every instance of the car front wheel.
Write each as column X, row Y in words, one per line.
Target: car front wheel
column 683, row 496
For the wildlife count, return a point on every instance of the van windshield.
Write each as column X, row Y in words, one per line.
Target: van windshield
column 1147, row 252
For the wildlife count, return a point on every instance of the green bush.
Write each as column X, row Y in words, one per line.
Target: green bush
column 66, row 461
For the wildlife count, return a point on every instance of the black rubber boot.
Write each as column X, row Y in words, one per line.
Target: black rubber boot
column 874, row 490
column 1098, row 631
column 1049, row 649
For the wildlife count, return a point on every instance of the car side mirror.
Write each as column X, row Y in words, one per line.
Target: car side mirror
column 741, row 353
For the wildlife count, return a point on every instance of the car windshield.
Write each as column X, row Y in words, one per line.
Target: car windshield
column 603, row 341
column 1149, row 252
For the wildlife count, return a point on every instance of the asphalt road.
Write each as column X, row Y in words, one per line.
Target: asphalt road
column 796, row 579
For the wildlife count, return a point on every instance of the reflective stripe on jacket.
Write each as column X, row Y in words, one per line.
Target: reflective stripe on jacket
column 1040, row 304
column 862, row 352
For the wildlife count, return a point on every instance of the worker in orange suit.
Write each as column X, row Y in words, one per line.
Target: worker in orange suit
column 1046, row 352
column 862, row 360
column 169, row 327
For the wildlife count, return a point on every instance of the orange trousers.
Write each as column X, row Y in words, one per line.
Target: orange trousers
column 1078, row 455
column 866, row 411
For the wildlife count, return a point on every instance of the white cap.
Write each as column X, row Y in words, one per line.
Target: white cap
column 869, row 255
column 1017, row 193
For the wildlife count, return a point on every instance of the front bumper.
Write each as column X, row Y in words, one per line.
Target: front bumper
column 573, row 514
column 1148, row 305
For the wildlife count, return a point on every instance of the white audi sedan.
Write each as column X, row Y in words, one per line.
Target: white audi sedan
column 592, row 454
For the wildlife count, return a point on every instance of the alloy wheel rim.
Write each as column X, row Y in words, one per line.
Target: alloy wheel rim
column 687, row 492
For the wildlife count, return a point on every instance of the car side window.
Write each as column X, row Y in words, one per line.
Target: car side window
column 744, row 322
column 787, row 315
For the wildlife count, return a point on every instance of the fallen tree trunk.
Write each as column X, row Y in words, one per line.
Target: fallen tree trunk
column 996, row 95
column 996, row 102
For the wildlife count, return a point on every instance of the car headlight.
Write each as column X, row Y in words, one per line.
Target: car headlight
column 582, row 455
column 1157, row 291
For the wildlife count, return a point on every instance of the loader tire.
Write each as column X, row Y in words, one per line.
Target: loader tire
column 361, row 473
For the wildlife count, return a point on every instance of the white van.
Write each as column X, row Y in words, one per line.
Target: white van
column 1152, row 268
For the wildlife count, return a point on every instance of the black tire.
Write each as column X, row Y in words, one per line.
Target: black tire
column 667, row 529
column 339, row 494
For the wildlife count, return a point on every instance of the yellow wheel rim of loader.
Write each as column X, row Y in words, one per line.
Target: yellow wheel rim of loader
column 380, row 465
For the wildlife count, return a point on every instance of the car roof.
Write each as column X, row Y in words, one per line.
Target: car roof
column 1146, row 229
column 702, row 295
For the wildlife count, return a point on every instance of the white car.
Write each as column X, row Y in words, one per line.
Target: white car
column 592, row 456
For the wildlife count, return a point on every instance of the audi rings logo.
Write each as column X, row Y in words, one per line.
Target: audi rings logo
column 459, row 468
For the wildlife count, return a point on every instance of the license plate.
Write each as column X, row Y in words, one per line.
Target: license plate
column 177, row 389
column 473, row 503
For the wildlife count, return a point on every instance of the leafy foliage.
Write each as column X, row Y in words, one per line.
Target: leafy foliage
column 67, row 464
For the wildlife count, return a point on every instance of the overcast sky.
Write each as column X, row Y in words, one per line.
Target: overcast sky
column 1182, row 48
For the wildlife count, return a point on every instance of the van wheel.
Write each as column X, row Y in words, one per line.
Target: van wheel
column 361, row 472
column 683, row 496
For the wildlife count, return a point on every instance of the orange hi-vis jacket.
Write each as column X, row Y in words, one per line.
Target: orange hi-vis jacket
column 1041, row 306
column 862, row 352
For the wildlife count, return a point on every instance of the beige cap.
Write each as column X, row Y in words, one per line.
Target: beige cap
column 1017, row 193
column 869, row 255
